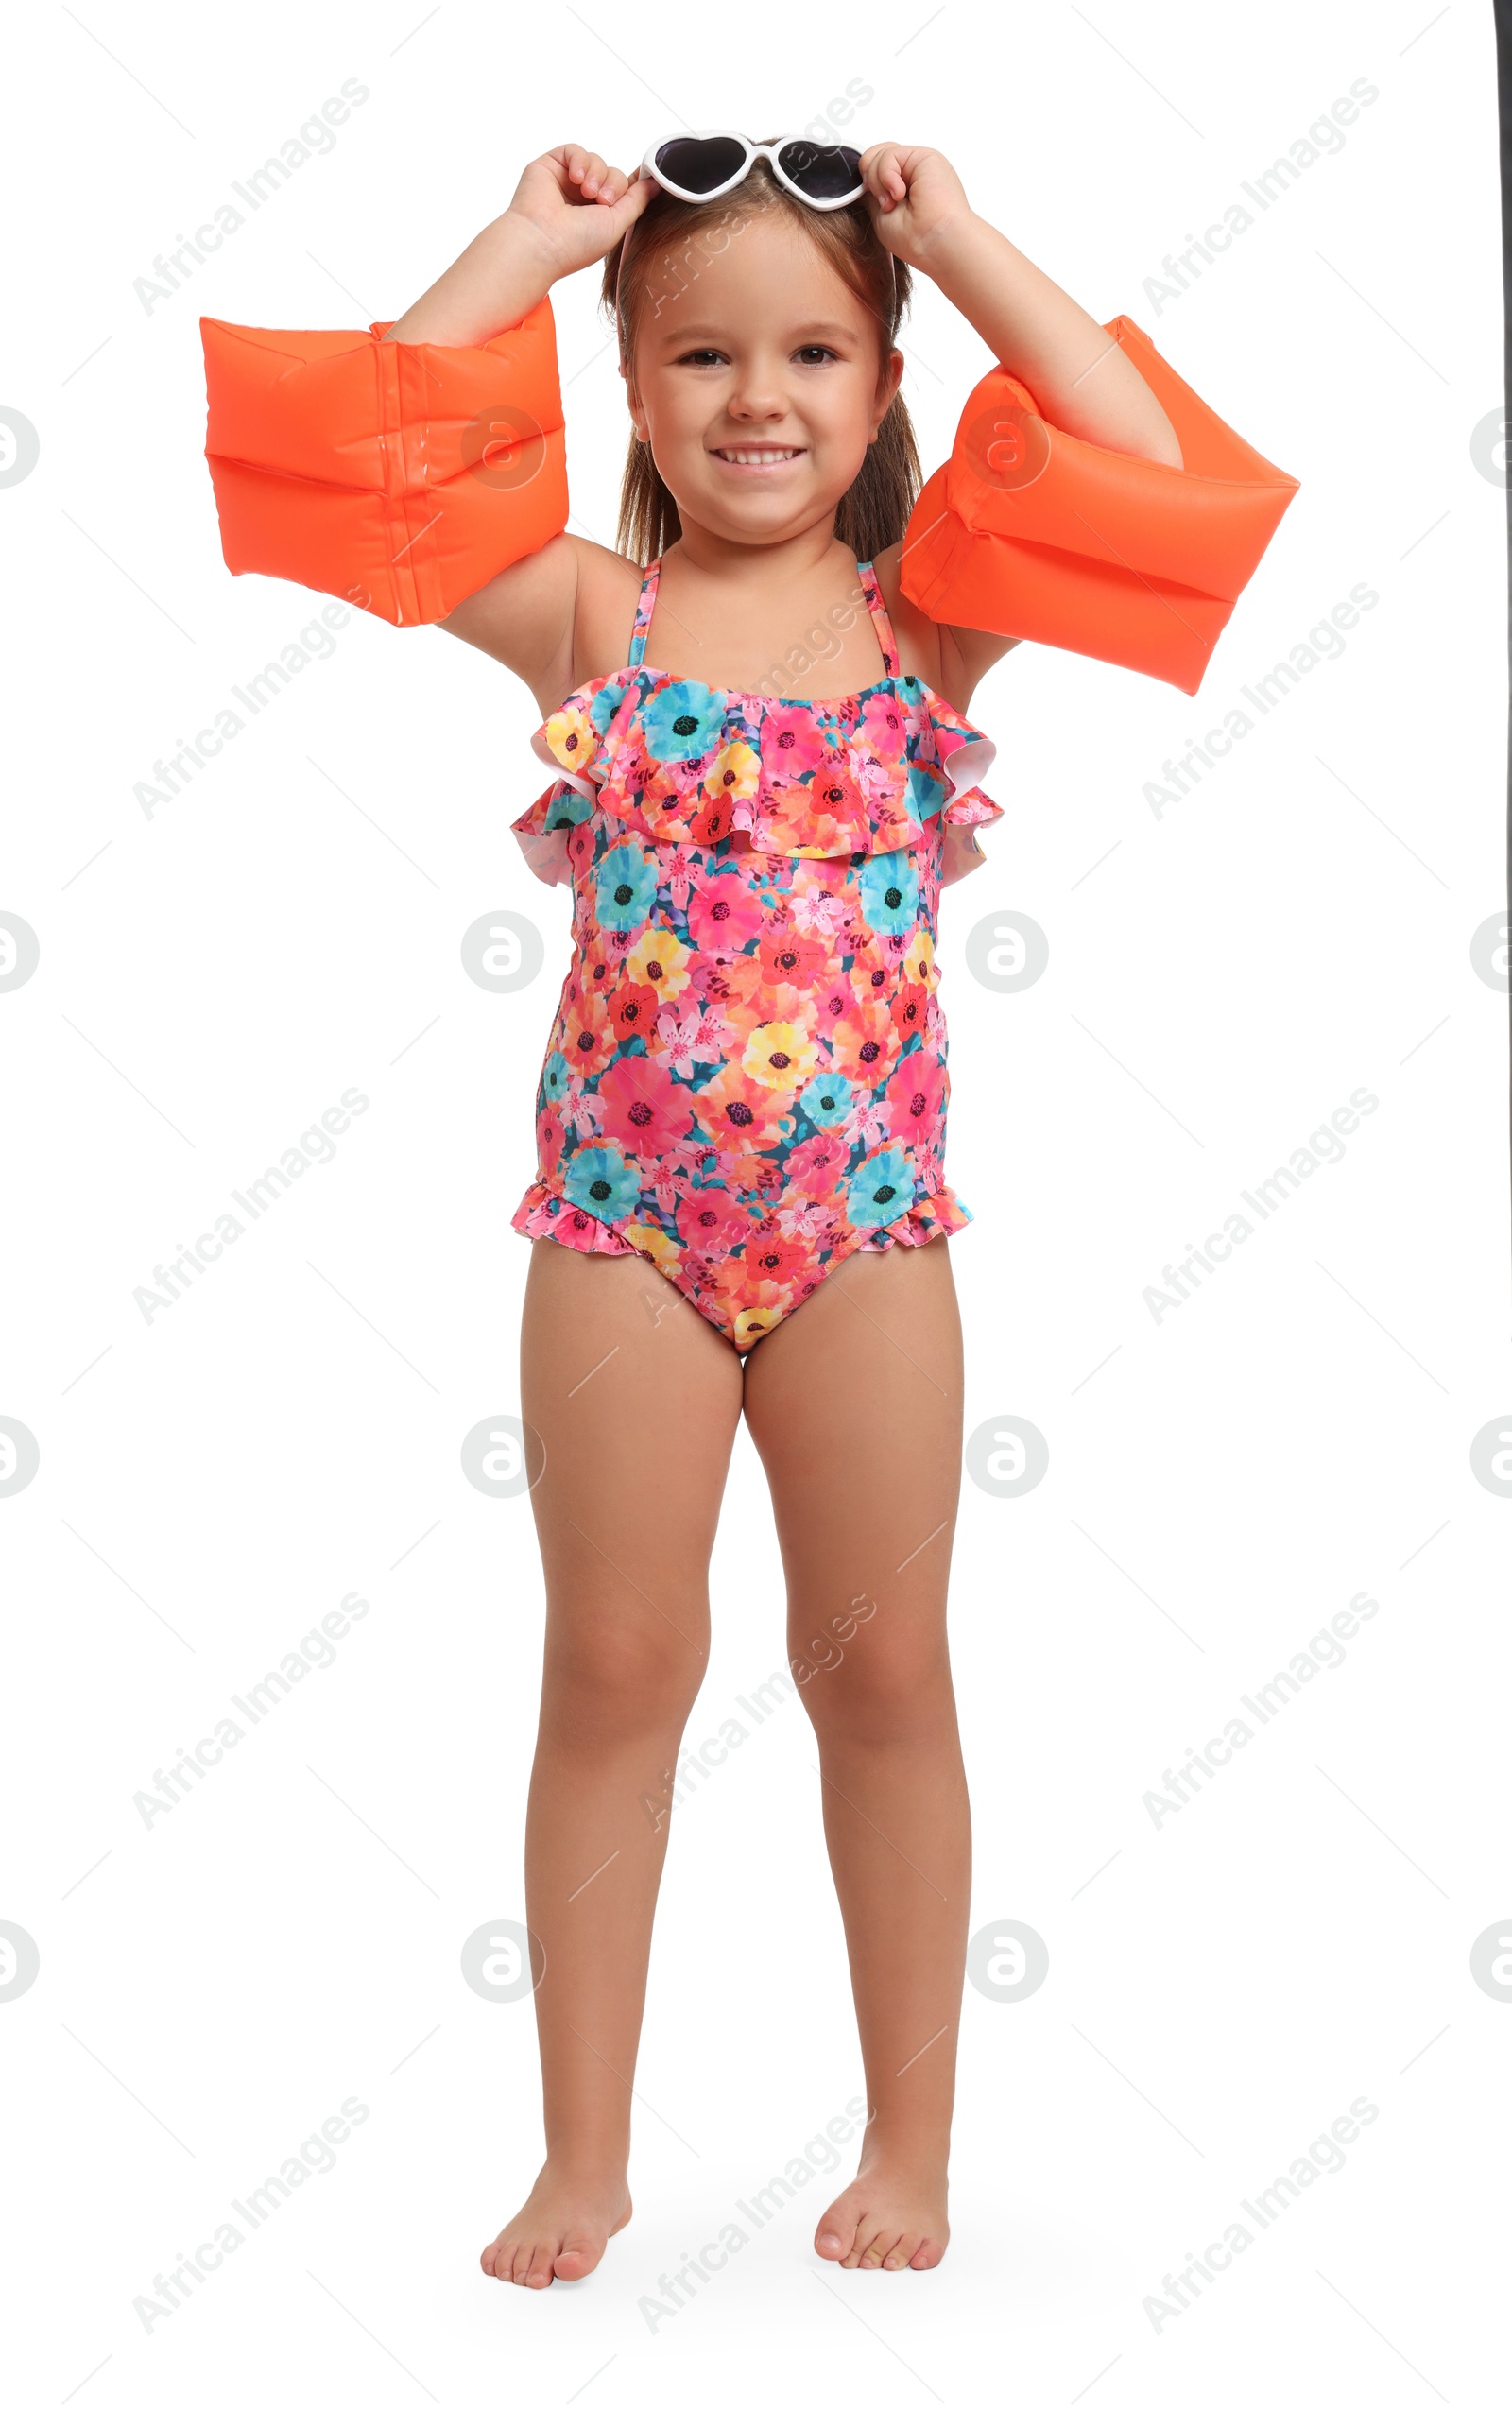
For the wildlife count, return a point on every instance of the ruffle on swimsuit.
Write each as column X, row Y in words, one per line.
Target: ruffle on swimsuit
column 747, row 1079
column 863, row 773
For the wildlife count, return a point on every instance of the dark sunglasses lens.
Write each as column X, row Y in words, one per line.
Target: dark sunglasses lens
column 700, row 166
column 823, row 170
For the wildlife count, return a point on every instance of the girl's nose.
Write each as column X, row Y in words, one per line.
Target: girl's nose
column 758, row 391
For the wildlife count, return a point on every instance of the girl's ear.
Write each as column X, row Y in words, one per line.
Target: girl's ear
column 633, row 401
column 889, row 378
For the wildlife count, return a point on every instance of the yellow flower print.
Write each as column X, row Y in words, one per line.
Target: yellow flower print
column 572, row 737
column 918, row 962
column 753, row 1321
column 780, row 1054
column 734, row 773
column 658, row 961
column 664, row 1252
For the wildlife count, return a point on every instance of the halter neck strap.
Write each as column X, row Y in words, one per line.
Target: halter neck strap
column 879, row 613
column 869, row 587
column 643, row 614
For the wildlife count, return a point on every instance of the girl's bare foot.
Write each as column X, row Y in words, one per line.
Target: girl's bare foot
column 892, row 2216
column 563, row 2228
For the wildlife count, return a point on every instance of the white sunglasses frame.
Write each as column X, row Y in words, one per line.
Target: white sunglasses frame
column 753, row 151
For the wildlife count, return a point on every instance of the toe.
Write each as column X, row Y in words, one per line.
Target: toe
column 837, row 2233
column 929, row 2254
column 538, row 2272
column 880, row 2247
column 901, row 2250
column 866, row 2230
column 580, row 2255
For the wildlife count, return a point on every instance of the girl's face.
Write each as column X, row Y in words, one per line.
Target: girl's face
column 756, row 380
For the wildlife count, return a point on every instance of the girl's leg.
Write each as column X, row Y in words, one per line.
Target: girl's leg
column 854, row 1405
column 636, row 1400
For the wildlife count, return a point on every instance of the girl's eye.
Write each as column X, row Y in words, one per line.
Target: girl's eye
column 698, row 359
column 811, row 353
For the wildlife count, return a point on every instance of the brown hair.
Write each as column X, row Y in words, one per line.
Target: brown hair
column 873, row 511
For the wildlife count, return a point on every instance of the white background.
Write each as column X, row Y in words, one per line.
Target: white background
column 1220, row 1483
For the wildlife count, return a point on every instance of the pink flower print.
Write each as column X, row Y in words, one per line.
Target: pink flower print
column 883, row 727
column 643, row 1111
column 666, row 1185
column 550, row 1138
column 817, row 1162
column 711, row 1222
column 792, row 742
column 724, row 916
column 913, row 1101
column 810, row 1218
column 818, row 911
column 687, row 1036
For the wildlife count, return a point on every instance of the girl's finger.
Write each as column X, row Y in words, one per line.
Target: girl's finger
column 592, row 180
column 886, row 175
column 630, row 204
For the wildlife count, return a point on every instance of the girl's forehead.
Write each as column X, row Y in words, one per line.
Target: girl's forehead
column 764, row 275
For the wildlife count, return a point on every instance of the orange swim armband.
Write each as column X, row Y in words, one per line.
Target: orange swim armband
column 401, row 476
column 1028, row 532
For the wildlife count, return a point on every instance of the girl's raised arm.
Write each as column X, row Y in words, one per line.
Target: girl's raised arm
column 569, row 209
column 417, row 470
column 1071, row 510
column 1081, row 380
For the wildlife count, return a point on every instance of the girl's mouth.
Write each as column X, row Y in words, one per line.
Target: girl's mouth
column 757, row 456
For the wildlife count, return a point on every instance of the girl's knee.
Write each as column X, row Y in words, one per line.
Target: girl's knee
column 898, row 1690
column 612, row 1684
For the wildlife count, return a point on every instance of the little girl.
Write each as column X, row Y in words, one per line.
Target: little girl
column 742, row 1113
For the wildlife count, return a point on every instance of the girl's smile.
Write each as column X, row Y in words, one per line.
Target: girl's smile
column 761, row 457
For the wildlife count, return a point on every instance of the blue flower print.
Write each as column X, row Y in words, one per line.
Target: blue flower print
column 890, row 892
column 605, row 703
column 926, row 793
column 882, row 1191
column 683, row 721
column 553, row 1078
column 826, row 1100
column 602, row 1183
column 627, row 887
column 567, row 807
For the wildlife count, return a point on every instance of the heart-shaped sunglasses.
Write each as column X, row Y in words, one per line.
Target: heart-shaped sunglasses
column 700, row 167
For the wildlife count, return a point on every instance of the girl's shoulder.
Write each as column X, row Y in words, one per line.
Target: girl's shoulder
column 608, row 589
column 951, row 661
column 558, row 617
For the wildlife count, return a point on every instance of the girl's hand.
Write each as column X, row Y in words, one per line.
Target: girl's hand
column 912, row 197
column 576, row 206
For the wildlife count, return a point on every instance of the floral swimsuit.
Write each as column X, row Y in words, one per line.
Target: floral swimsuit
column 745, row 1081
